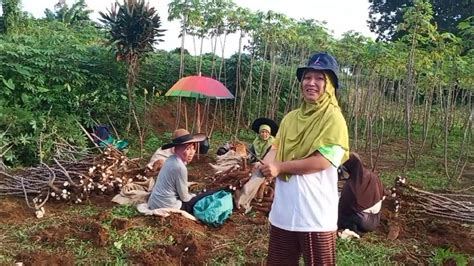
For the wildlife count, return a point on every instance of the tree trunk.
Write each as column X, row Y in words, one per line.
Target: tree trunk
column 408, row 94
column 222, row 58
column 260, row 86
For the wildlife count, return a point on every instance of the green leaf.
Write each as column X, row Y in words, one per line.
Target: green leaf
column 42, row 89
column 68, row 87
column 9, row 83
column 9, row 157
column 118, row 244
column 25, row 98
column 24, row 139
column 34, row 125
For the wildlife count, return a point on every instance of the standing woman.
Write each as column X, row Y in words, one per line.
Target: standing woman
column 311, row 143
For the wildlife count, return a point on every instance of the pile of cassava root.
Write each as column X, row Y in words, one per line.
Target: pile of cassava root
column 73, row 180
column 237, row 177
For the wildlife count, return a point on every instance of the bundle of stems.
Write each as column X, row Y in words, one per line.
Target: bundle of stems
column 73, row 180
column 450, row 206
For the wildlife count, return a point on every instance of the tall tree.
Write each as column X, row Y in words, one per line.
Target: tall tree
column 134, row 29
column 187, row 11
column 11, row 15
column 384, row 16
column 420, row 30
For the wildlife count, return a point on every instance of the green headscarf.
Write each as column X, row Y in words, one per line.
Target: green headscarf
column 261, row 146
column 312, row 126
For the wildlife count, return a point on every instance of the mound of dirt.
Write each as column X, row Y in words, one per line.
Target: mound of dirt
column 14, row 210
column 444, row 234
column 45, row 258
column 120, row 224
column 82, row 229
column 186, row 249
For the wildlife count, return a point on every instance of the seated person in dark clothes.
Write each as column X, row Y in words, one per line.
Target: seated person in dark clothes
column 361, row 198
column 266, row 130
column 171, row 188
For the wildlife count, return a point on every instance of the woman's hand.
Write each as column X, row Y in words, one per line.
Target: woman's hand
column 270, row 170
column 256, row 166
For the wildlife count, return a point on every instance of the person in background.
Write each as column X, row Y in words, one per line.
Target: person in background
column 361, row 198
column 171, row 188
column 310, row 145
column 266, row 130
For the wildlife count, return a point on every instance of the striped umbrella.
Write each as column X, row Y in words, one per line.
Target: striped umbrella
column 199, row 87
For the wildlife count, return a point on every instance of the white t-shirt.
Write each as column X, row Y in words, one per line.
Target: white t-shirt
column 306, row 203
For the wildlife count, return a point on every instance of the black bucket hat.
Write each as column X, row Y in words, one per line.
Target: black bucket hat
column 182, row 136
column 321, row 61
column 265, row 121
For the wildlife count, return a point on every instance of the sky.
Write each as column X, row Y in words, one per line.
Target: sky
column 340, row 16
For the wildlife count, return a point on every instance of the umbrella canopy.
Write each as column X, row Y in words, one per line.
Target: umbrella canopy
column 199, row 87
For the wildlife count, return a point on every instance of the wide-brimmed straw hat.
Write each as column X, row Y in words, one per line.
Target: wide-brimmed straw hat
column 324, row 62
column 182, row 136
column 265, row 121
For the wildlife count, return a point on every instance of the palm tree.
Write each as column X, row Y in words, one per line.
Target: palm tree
column 134, row 29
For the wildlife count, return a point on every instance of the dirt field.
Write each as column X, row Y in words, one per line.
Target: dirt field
column 99, row 231
column 178, row 240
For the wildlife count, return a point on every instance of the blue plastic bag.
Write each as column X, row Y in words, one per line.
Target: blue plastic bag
column 214, row 209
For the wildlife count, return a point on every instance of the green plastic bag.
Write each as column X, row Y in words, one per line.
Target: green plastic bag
column 118, row 144
column 214, row 209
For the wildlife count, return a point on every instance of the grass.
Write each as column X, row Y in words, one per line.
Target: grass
column 84, row 210
column 359, row 252
column 442, row 256
column 233, row 255
column 18, row 237
column 84, row 251
column 136, row 239
column 124, row 211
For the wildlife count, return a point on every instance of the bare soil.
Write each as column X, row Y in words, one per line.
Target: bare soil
column 196, row 244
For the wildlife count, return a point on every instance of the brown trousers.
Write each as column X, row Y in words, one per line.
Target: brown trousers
column 286, row 247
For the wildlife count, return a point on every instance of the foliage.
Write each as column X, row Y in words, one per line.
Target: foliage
column 12, row 18
column 384, row 16
column 124, row 211
column 76, row 14
column 133, row 31
column 47, row 73
column 466, row 31
column 443, row 256
column 134, row 28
